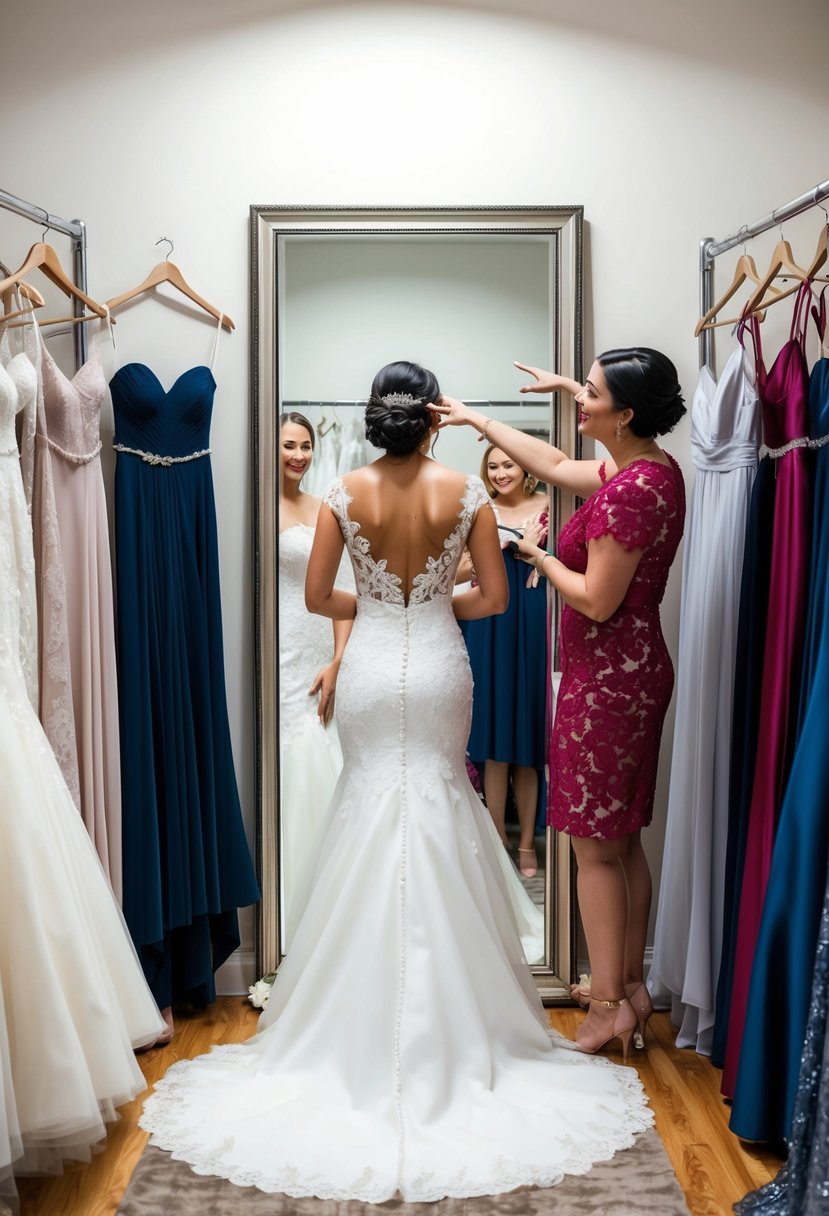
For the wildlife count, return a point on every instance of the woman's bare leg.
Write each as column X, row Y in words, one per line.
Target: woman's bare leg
column 496, row 779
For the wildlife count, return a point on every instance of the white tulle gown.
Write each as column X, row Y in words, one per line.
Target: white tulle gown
column 74, row 999
column 404, row 1050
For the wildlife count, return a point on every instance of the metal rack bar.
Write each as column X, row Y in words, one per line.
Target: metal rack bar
column 710, row 249
column 76, row 229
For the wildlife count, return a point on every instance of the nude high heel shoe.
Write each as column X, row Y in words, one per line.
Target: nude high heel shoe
column 642, row 1004
column 622, row 1029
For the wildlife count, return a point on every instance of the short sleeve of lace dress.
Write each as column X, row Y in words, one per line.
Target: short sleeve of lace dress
column 630, row 508
column 476, row 495
column 337, row 498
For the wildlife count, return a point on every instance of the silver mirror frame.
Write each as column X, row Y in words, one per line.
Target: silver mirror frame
column 268, row 223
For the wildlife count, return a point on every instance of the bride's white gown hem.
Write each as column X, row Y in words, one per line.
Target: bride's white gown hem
column 404, row 1050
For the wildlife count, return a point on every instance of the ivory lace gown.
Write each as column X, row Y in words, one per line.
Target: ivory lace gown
column 404, row 1049
column 74, row 1001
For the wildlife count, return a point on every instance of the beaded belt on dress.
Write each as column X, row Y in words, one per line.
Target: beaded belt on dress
column 154, row 458
column 803, row 442
column 73, row 457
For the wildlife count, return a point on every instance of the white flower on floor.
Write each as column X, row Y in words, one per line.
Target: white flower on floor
column 260, row 992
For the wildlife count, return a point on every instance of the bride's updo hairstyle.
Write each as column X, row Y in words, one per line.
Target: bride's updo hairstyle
column 645, row 381
column 397, row 419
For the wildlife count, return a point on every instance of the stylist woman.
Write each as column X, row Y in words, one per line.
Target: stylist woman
column 614, row 554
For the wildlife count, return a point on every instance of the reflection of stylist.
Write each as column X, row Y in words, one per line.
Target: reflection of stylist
column 614, row 554
column 507, row 654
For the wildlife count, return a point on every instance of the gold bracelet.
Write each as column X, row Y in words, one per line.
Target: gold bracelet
column 539, row 565
column 485, row 427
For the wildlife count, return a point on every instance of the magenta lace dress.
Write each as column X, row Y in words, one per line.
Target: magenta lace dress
column 617, row 675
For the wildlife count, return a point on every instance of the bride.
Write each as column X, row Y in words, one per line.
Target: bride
column 404, row 1050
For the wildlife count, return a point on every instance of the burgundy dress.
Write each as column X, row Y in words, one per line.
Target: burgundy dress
column 784, row 397
column 617, row 675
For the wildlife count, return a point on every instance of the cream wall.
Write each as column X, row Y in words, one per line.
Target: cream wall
column 668, row 120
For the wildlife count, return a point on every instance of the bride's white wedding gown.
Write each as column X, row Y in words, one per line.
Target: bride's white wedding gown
column 404, row 1049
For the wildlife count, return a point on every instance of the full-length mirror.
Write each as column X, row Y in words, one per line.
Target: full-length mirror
column 336, row 295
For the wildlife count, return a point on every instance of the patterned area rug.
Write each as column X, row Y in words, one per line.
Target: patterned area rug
column 638, row 1182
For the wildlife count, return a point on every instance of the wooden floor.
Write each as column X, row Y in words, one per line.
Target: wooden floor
column 713, row 1167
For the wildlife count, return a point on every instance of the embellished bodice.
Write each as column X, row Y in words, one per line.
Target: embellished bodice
column 72, row 407
column 375, row 582
column 151, row 420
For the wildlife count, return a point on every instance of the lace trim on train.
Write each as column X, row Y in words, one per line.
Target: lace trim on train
column 162, row 1118
column 375, row 581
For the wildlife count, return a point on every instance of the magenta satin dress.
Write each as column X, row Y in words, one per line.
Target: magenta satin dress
column 784, row 400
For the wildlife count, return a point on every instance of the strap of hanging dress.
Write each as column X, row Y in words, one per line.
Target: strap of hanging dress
column 819, row 316
column 748, row 322
column 216, row 341
column 800, row 315
column 111, row 336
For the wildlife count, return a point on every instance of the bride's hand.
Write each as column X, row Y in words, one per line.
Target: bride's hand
column 545, row 382
column 325, row 683
column 452, row 411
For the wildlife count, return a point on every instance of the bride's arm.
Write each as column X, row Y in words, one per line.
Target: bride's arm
column 321, row 596
column 491, row 595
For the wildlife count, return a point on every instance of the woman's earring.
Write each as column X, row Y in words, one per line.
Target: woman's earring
column 619, row 430
column 530, row 483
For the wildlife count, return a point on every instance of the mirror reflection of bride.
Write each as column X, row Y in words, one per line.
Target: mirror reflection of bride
column 309, row 660
column 404, row 1049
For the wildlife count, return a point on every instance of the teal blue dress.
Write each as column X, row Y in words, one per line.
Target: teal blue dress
column 187, row 866
column 778, row 1001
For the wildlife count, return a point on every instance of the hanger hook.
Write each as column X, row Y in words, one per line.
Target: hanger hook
column 742, row 239
column 170, row 243
column 816, row 203
column 46, row 225
column 779, row 224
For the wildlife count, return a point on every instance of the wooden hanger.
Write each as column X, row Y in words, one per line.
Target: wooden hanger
column 782, row 258
column 811, row 271
column 43, row 258
column 168, row 272
column 29, row 293
column 744, row 269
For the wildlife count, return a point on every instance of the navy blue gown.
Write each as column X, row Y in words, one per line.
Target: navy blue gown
column 187, row 866
column 748, row 676
column 508, row 655
column 778, row 1002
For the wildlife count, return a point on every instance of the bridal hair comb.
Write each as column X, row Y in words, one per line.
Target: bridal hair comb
column 391, row 399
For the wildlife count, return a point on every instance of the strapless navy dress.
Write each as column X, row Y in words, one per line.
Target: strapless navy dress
column 187, row 865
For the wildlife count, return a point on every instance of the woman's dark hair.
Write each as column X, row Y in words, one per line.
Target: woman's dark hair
column 399, row 427
column 298, row 420
column 645, row 381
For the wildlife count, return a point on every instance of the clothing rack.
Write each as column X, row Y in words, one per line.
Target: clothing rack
column 76, row 229
column 710, row 249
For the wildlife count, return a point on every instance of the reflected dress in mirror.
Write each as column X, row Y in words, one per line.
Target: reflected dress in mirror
column 310, row 759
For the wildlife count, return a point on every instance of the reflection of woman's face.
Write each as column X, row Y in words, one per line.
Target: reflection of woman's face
column 504, row 474
column 296, row 451
column 597, row 417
